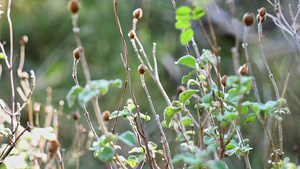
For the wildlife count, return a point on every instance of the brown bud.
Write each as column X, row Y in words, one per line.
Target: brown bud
column 262, row 11
column 243, row 70
column 248, row 19
column 138, row 13
column 106, row 115
column 131, row 34
column 180, row 89
column 77, row 53
column 52, row 148
column 142, row 69
column 76, row 115
column 261, row 18
column 24, row 40
column 295, row 149
column 223, row 80
column 129, row 101
column 73, row 6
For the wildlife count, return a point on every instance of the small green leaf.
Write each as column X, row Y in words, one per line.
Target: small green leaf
column 72, row 94
column 230, row 146
column 132, row 160
column 186, row 36
column 86, row 95
column 208, row 140
column 103, row 85
column 183, row 10
column 146, row 117
column 169, row 113
column 186, row 121
column 116, row 83
column 250, row 118
column 136, row 150
column 186, row 95
column 152, row 145
column 1, row 55
column 182, row 24
column 105, row 154
column 216, row 164
column 198, row 12
column 207, row 98
column 129, row 138
column 187, row 60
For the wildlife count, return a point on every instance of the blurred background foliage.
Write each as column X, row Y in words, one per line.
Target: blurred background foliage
column 48, row 25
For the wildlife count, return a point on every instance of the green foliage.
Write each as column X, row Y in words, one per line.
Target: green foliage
column 92, row 89
column 105, row 153
column 129, row 138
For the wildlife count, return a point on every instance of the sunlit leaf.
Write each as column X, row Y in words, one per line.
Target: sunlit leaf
column 186, row 36
column 182, row 24
column 250, row 118
column 1, row 55
column 186, row 95
column 129, row 138
column 187, row 60
column 105, row 154
column 169, row 113
column 198, row 12
column 132, row 160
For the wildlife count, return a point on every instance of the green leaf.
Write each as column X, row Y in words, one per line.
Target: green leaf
column 136, row 150
column 186, row 36
column 216, row 164
column 103, row 85
column 86, row 95
column 233, row 95
column 230, row 146
column 1, row 55
column 169, row 113
column 182, row 24
column 105, row 154
column 208, row 56
column 116, row 83
column 72, row 94
column 198, row 12
column 186, row 95
column 183, row 10
column 207, row 140
column 146, row 117
column 152, row 145
column 188, row 158
column 187, row 60
column 250, row 118
column 207, row 98
column 129, row 138
column 186, row 121
column 132, row 160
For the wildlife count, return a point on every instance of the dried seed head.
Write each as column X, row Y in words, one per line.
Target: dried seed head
column 223, row 80
column 37, row 107
column 138, row 13
column 131, row 34
column 262, row 11
column 129, row 101
column 142, row 69
column 52, row 148
column 261, row 18
column 180, row 89
column 248, row 19
column 24, row 40
column 73, row 6
column 76, row 115
column 77, row 53
column 106, row 115
column 243, row 70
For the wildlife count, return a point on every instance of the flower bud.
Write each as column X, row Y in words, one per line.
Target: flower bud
column 243, row 70
column 77, row 53
column 223, row 80
column 261, row 18
column 76, row 115
column 131, row 34
column 180, row 89
column 73, row 6
column 106, row 115
column 248, row 19
column 262, row 11
column 24, row 40
column 52, row 148
column 142, row 69
column 138, row 13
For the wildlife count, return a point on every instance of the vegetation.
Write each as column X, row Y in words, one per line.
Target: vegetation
column 225, row 99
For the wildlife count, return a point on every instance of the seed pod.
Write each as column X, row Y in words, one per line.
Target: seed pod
column 106, row 115
column 24, row 40
column 262, row 11
column 223, row 80
column 261, row 18
column 138, row 13
column 248, row 19
column 77, row 53
column 243, row 70
column 73, row 6
column 180, row 89
column 76, row 115
column 131, row 34
column 52, row 148
column 142, row 69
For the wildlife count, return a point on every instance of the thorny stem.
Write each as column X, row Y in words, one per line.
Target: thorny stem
column 149, row 159
column 164, row 138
